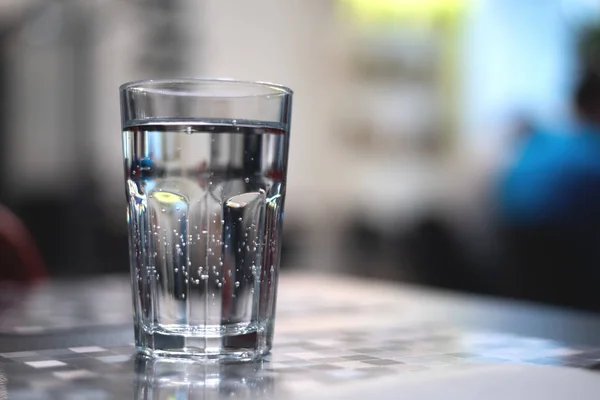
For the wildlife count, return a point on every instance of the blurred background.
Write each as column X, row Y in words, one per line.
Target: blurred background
column 452, row 143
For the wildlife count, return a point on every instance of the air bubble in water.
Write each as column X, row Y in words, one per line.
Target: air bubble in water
column 237, row 284
column 163, row 210
column 247, row 180
column 176, row 270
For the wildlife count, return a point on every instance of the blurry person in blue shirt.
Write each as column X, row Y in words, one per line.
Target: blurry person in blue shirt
column 549, row 207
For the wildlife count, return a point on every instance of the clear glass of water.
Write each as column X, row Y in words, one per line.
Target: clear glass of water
column 205, row 174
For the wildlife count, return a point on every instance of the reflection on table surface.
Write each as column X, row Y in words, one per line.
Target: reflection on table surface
column 329, row 332
column 158, row 379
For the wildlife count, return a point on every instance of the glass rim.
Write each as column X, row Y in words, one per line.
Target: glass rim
column 146, row 85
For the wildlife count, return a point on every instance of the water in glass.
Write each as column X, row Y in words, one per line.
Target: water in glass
column 205, row 205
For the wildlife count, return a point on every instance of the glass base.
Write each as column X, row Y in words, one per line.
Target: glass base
column 208, row 345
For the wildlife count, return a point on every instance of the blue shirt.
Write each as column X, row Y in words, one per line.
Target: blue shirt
column 555, row 178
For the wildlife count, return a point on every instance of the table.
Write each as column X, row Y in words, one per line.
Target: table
column 73, row 339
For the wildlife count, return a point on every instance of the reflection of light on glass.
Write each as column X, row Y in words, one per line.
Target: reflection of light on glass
column 165, row 197
column 154, row 145
column 242, row 200
column 271, row 199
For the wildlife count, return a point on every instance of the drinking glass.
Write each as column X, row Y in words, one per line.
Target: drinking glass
column 205, row 174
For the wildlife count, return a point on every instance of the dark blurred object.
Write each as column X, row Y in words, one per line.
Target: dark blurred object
column 587, row 97
column 440, row 259
column 20, row 260
column 74, row 235
column 589, row 48
column 550, row 264
column 549, row 208
column 427, row 251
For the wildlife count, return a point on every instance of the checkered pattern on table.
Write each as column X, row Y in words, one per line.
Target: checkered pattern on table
column 297, row 362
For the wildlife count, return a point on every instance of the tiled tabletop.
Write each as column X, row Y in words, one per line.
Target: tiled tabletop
column 348, row 331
